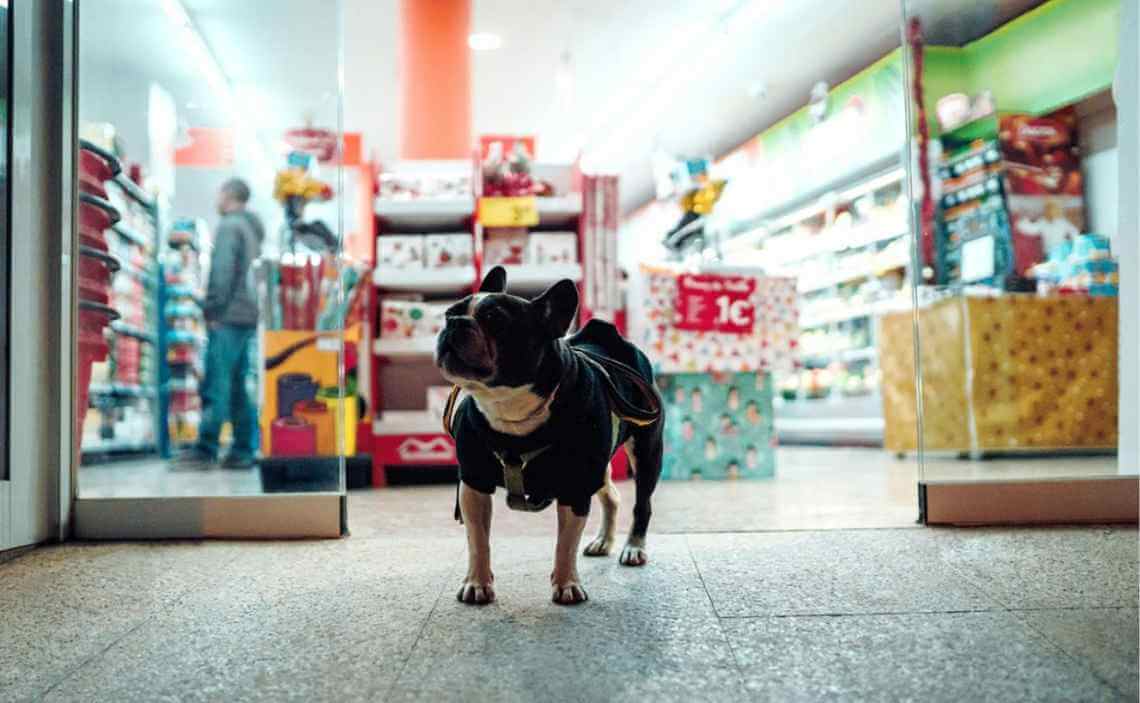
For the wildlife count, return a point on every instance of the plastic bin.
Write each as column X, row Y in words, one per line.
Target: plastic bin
column 95, row 216
column 93, row 319
column 96, row 167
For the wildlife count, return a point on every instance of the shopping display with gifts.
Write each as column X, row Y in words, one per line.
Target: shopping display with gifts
column 718, row 426
column 412, row 252
column 715, row 341
column 719, row 323
column 516, row 246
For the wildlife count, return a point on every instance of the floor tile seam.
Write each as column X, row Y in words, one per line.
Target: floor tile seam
column 1072, row 658
column 415, row 642
column 739, row 667
column 865, row 614
column 975, row 581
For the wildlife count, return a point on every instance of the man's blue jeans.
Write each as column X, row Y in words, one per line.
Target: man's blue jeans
column 224, row 394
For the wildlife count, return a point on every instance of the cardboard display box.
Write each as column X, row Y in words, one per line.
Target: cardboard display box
column 1015, row 372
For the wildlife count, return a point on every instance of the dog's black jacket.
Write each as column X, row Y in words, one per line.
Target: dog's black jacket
column 579, row 433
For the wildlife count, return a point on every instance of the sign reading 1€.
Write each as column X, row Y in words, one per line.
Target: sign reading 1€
column 711, row 303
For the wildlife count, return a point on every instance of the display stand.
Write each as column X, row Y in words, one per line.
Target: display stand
column 123, row 392
column 405, row 433
column 1008, row 373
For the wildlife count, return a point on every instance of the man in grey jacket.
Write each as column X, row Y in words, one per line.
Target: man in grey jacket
column 231, row 317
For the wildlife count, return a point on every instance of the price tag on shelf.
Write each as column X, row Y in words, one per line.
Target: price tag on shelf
column 711, row 303
column 508, row 212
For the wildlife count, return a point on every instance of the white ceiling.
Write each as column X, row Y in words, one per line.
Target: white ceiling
column 613, row 77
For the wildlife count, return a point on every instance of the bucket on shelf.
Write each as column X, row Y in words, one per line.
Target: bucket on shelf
column 96, row 167
column 96, row 215
column 292, row 436
column 95, row 271
column 342, row 403
column 93, row 319
column 293, row 388
column 317, row 414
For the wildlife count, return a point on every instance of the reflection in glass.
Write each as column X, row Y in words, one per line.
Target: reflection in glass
column 1014, row 171
column 214, row 291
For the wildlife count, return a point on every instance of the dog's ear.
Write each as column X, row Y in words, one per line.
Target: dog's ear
column 557, row 306
column 495, row 281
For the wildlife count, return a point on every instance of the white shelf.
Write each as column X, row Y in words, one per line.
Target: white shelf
column 427, row 213
column 399, row 422
column 845, row 276
column 413, row 348
column 533, row 278
column 559, row 210
column 455, row 279
column 855, row 238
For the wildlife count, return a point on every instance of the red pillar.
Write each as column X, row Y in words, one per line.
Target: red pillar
column 435, row 79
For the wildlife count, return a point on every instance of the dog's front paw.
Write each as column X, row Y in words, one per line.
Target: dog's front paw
column 600, row 547
column 567, row 591
column 477, row 591
column 634, row 555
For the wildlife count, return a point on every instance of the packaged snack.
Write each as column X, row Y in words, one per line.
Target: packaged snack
column 504, row 246
column 400, row 251
column 447, row 250
column 552, row 248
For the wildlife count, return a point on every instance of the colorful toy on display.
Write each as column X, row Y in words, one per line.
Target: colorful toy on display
column 699, row 193
column 186, row 270
column 295, row 187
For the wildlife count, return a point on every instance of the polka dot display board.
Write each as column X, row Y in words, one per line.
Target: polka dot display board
column 771, row 347
column 1041, row 374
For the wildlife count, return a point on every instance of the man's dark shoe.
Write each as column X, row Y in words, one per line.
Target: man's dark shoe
column 237, row 462
column 192, row 460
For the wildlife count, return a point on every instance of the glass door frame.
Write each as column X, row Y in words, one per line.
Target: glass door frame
column 1108, row 498
column 269, row 516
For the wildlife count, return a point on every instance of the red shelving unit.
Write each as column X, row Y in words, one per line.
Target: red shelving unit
column 404, row 433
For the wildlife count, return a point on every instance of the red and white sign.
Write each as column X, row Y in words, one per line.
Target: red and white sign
column 712, row 303
column 414, row 449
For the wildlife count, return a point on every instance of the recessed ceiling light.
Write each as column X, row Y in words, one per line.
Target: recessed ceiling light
column 484, row 41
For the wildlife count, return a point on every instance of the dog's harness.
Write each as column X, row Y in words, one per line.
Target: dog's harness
column 622, row 409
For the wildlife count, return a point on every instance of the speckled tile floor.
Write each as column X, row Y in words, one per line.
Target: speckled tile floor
column 896, row 613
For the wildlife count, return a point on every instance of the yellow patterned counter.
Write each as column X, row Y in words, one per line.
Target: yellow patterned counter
column 1011, row 373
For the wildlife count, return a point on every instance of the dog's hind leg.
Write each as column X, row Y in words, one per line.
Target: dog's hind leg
column 610, row 499
column 647, row 446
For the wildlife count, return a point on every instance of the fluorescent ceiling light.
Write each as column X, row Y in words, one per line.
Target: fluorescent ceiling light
column 484, row 41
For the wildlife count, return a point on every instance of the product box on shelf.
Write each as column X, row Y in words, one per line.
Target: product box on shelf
column 401, row 319
column 448, row 250
column 504, row 246
column 718, row 426
column 401, row 251
column 552, row 248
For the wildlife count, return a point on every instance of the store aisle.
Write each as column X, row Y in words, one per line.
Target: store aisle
column 987, row 614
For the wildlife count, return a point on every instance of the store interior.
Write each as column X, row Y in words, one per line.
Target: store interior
column 857, row 259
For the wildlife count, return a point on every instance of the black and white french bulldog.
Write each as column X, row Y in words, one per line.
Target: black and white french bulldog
column 533, row 399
